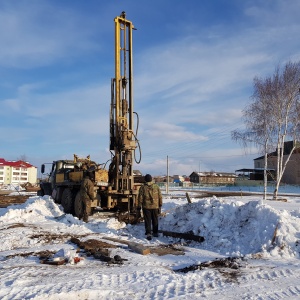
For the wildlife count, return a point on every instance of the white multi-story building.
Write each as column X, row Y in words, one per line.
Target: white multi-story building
column 17, row 172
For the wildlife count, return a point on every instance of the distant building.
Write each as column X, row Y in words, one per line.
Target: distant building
column 186, row 178
column 137, row 173
column 178, row 178
column 292, row 172
column 17, row 172
column 138, row 176
column 213, row 178
column 163, row 178
column 255, row 174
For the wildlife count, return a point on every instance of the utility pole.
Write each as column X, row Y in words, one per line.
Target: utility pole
column 167, row 187
column 199, row 174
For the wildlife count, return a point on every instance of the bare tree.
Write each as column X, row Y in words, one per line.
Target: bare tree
column 285, row 110
column 23, row 157
column 259, row 122
column 272, row 117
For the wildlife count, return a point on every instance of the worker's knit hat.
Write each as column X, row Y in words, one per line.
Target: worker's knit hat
column 148, row 178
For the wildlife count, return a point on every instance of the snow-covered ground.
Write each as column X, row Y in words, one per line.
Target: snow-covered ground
column 264, row 236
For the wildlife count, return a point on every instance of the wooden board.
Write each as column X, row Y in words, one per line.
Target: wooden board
column 136, row 247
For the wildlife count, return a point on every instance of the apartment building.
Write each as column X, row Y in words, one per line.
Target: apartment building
column 17, row 172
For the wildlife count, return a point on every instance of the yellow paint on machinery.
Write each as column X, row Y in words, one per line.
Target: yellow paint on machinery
column 76, row 176
column 101, row 176
column 60, row 177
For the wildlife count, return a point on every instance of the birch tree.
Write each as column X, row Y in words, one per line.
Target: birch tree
column 273, row 117
column 285, row 110
column 258, row 122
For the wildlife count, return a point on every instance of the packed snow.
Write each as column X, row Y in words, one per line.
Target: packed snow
column 263, row 237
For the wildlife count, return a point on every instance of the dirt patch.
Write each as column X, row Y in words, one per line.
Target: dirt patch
column 92, row 245
column 228, row 262
column 230, row 275
column 99, row 250
column 6, row 200
column 40, row 254
column 228, row 267
column 47, row 237
column 17, row 225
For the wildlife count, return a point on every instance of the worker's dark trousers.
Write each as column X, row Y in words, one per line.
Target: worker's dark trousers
column 151, row 216
column 86, row 206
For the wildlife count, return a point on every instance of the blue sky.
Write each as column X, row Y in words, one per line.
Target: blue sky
column 194, row 64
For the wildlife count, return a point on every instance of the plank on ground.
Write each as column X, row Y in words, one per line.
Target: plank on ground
column 136, row 247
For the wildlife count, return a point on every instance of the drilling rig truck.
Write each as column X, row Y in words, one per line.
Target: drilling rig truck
column 114, row 188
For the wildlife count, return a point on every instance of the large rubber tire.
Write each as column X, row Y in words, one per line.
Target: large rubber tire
column 78, row 206
column 59, row 194
column 40, row 193
column 46, row 187
column 67, row 201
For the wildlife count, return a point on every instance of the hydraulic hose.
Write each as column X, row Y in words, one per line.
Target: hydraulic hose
column 136, row 139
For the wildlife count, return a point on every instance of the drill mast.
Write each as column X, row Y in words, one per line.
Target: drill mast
column 122, row 137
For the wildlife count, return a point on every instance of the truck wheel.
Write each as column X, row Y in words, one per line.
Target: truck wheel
column 78, row 206
column 40, row 193
column 59, row 193
column 46, row 187
column 67, row 201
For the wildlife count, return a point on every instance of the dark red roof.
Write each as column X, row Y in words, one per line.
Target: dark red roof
column 15, row 164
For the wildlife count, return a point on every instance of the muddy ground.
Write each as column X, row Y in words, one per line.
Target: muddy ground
column 6, row 200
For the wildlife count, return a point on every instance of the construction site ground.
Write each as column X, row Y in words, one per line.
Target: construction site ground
column 46, row 253
column 91, row 246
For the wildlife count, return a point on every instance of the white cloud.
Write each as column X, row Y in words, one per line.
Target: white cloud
column 11, row 105
column 219, row 117
column 37, row 33
column 171, row 133
column 199, row 87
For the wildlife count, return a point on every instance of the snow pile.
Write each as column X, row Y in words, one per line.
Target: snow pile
column 11, row 187
column 229, row 227
column 33, row 208
column 40, row 214
column 115, row 224
column 236, row 228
